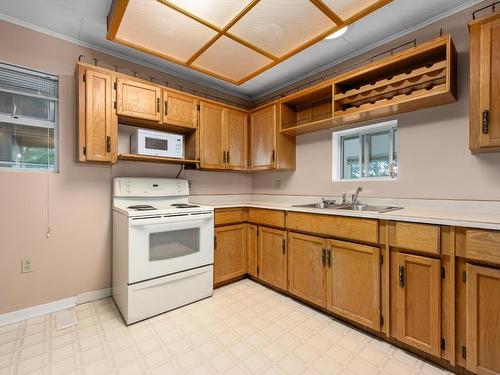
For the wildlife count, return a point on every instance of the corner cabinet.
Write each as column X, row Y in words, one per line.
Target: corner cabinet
column 484, row 110
column 269, row 148
column 98, row 127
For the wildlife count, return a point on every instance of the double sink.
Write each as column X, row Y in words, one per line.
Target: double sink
column 350, row 207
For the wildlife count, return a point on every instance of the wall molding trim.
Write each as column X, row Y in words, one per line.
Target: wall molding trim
column 51, row 307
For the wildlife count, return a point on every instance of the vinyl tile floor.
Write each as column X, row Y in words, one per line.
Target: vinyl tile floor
column 244, row 328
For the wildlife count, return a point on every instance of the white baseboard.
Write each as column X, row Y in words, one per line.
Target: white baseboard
column 48, row 308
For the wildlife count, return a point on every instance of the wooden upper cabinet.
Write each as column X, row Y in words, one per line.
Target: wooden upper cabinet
column 354, row 282
column 97, row 119
column 138, row 100
column 229, row 254
column 419, row 302
column 236, row 139
column 272, row 257
column 180, row 109
column 484, row 88
column 307, row 267
column 263, row 124
column 251, row 249
column 483, row 318
column 212, row 136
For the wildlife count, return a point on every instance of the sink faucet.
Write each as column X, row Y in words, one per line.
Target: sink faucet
column 355, row 195
column 327, row 201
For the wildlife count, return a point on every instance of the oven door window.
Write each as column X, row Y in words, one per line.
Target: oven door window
column 174, row 244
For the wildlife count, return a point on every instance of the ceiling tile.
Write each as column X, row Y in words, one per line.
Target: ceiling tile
column 231, row 59
column 347, row 8
column 278, row 26
column 217, row 12
column 163, row 30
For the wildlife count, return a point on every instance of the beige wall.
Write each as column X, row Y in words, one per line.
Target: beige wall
column 77, row 257
column 434, row 161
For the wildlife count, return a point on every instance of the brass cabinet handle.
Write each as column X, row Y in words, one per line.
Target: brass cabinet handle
column 486, row 121
column 158, row 105
column 329, row 257
column 273, row 156
column 401, row 276
column 283, row 246
column 166, row 107
column 323, row 257
column 227, row 157
column 224, row 157
column 108, row 144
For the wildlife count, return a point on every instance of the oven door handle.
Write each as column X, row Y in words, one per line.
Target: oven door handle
column 152, row 220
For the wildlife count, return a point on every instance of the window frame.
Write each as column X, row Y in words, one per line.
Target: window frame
column 337, row 149
column 32, row 122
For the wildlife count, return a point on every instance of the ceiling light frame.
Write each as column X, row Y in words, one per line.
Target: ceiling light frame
column 119, row 7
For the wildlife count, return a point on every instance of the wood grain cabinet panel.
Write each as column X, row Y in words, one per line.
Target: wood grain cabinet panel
column 307, row 268
column 483, row 320
column 229, row 254
column 252, row 250
column 138, row 100
column 272, row 218
column 229, row 216
column 354, row 282
column 180, row 109
column 98, row 124
column 483, row 245
column 419, row 302
column 212, row 129
column 419, row 237
column 272, row 257
column 484, row 89
column 236, row 139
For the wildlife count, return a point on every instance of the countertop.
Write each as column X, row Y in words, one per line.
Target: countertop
column 485, row 215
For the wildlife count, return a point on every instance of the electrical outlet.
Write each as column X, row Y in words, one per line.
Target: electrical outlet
column 26, row 265
column 277, row 184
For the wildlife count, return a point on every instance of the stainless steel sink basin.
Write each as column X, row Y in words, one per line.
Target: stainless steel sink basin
column 368, row 208
column 318, row 205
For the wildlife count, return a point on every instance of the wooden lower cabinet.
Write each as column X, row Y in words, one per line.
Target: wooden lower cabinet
column 483, row 320
column 229, row 254
column 272, row 256
column 251, row 250
column 354, row 282
column 419, row 302
column 307, row 268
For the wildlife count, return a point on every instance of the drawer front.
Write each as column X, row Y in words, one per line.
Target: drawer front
column 365, row 230
column 419, row 237
column 229, row 216
column 273, row 218
column 483, row 245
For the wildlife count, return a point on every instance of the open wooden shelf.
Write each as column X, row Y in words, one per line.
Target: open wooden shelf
column 156, row 159
column 420, row 77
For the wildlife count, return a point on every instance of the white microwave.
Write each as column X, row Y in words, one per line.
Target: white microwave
column 153, row 143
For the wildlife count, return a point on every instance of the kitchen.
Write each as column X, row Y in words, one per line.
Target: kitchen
column 449, row 194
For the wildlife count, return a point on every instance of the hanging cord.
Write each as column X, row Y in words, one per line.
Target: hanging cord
column 47, row 233
column 180, row 171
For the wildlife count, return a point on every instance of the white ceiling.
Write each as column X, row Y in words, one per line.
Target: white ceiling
column 84, row 21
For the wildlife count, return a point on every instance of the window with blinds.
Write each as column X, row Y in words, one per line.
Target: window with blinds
column 28, row 119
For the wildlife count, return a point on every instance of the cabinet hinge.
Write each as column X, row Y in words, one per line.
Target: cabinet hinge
column 486, row 122
column 215, row 242
column 464, row 276
column 283, row 245
column 381, row 259
column 198, row 107
column 401, row 276
column 84, row 77
column 464, row 352
column 381, row 320
column 443, row 344
column 114, row 105
column 84, row 150
column 257, row 270
column 114, row 85
column 443, row 272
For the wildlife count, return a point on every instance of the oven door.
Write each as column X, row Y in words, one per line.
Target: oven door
column 163, row 245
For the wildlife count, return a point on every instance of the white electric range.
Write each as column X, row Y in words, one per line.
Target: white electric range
column 163, row 247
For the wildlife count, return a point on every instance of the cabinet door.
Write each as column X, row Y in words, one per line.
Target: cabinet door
column 263, row 138
column 229, row 254
column 307, row 268
column 236, row 139
column 483, row 320
column 180, row 109
column 100, row 119
column 212, row 136
column 138, row 100
column 419, row 302
column 354, row 282
column 252, row 258
column 272, row 256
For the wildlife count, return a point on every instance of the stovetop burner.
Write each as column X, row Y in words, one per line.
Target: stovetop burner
column 142, row 207
column 184, row 205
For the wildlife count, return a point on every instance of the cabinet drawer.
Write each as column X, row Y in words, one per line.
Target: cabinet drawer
column 365, row 230
column 419, row 237
column 261, row 216
column 229, row 216
column 483, row 245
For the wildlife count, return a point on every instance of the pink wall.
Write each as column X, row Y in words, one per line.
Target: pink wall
column 77, row 257
column 434, row 158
